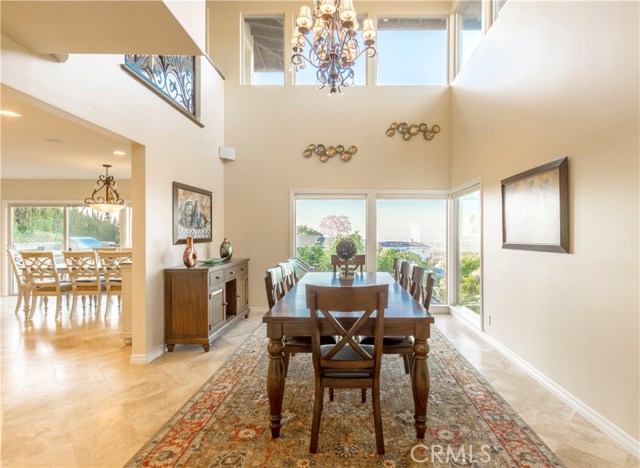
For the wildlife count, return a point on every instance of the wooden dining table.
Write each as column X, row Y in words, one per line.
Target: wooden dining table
column 404, row 316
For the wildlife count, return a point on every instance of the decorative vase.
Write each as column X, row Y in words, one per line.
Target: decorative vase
column 346, row 280
column 190, row 256
column 226, row 250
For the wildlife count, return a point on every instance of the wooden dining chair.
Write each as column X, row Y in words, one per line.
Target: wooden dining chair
column 43, row 278
column 422, row 281
column 346, row 364
column 275, row 289
column 422, row 287
column 85, row 274
column 110, row 262
column 406, row 270
column 356, row 263
column 274, row 285
column 288, row 275
column 397, row 265
column 17, row 267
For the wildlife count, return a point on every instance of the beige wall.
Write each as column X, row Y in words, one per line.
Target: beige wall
column 55, row 190
column 557, row 79
column 169, row 147
column 271, row 126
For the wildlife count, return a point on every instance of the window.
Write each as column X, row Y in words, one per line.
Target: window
column 263, row 51
column 319, row 221
column 66, row 227
column 469, row 29
column 307, row 75
column 414, row 229
column 412, row 51
column 497, row 7
column 89, row 229
column 37, row 228
column 467, row 209
column 411, row 226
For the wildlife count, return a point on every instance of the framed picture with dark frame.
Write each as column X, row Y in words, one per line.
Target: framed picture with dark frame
column 535, row 212
column 191, row 214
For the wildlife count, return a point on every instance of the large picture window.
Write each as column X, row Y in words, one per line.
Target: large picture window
column 321, row 220
column 416, row 230
column 67, row 227
column 385, row 225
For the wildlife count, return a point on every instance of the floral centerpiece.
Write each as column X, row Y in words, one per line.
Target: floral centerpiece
column 346, row 249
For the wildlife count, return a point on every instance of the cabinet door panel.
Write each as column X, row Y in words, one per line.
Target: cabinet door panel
column 241, row 293
column 216, row 306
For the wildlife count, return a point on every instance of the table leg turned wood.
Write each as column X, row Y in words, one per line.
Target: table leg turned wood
column 275, row 379
column 26, row 293
column 420, row 385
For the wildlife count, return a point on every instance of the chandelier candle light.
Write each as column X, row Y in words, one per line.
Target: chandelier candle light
column 333, row 45
column 110, row 202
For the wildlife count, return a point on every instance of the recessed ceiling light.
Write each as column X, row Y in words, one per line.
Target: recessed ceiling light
column 53, row 140
column 119, row 153
column 9, row 113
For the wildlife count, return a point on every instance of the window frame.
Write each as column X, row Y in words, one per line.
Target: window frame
column 125, row 229
column 285, row 48
column 378, row 16
column 457, row 56
column 477, row 320
column 371, row 197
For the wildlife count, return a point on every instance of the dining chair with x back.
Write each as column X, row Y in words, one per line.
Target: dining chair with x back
column 347, row 363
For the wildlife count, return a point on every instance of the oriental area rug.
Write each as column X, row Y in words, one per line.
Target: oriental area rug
column 225, row 424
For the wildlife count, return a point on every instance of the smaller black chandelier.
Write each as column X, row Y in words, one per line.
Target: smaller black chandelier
column 333, row 46
column 110, row 202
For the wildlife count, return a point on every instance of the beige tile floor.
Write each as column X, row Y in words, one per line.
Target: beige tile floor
column 71, row 398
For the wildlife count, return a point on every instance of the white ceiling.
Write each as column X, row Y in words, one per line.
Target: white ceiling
column 96, row 27
column 46, row 143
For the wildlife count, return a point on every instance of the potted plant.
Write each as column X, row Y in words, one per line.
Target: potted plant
column 346, row 249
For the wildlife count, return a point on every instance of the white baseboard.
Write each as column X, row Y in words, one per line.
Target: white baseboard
column 621, row 437
column 147, row 358
column 435, row 309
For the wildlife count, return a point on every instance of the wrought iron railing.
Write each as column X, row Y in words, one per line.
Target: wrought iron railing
column 171, row 75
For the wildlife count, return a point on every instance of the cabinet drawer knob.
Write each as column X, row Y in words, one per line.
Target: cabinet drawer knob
column 231, row 272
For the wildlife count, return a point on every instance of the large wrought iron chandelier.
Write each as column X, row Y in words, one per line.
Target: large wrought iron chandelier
column 333, row 48
column 110, row 201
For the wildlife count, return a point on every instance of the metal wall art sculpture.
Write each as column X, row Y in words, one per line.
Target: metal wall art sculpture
column 407, row 131
column 325, row 153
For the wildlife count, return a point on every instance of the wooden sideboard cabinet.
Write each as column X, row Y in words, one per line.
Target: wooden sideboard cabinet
column 200, row 302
